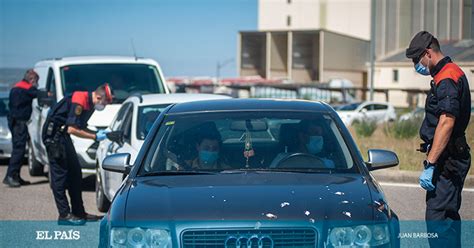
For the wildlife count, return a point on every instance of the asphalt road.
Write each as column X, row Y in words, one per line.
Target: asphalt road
column 35, row 202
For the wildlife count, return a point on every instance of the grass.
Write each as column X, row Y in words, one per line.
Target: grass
column 410, row 159
column 364, row 128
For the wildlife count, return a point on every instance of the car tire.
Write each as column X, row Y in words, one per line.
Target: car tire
column 103, row 204
column 34, row 167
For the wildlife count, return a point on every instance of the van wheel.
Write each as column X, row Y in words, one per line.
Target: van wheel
column 103, row 204
column 34, row 167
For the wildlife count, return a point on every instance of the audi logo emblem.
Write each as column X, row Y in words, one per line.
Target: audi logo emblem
column 252, row 241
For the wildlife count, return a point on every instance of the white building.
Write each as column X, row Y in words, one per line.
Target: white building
column 307, row 41
column 396, row 73
column 348, row 17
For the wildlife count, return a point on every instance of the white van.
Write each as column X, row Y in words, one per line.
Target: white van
column 63, row 76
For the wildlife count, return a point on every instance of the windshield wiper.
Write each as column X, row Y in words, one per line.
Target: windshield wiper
column 178, row 173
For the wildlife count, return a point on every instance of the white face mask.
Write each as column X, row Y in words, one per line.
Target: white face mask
column 99, row 107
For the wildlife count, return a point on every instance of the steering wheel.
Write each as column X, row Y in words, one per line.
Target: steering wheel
column 294, row 161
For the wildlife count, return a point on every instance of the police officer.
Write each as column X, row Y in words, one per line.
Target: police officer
column 70, row 116
column 448, row 106
column 20, row 98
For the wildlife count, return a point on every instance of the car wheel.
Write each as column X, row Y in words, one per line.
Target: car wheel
column 101, row 200
column 34, row 167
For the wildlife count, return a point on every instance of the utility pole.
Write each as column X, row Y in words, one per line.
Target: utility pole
column 372, row 48
column 219, row 66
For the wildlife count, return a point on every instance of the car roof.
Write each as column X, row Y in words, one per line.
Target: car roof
column 153, row 99
column 94, row 60
column 250, row 104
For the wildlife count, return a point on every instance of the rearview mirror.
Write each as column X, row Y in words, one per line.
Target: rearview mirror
column 44, row 99
column 251, row 125
column 117, row 163
column 116, row 136
column 381, row 159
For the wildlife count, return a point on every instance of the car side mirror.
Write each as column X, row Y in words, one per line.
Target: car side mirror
column 116, row 136
column 44, row 100
column 119, row 162
column 364, row 110
column 381, row 159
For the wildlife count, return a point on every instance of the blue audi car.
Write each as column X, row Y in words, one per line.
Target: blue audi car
column 249, row 173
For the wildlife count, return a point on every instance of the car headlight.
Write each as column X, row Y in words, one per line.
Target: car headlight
column 140, row 237
column 358, row 236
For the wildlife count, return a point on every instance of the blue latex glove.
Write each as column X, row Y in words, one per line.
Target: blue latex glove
column 101, row 135
column 426, row 179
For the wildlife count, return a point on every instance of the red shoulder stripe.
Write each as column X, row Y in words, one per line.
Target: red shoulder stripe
column 451, row 71
column 23, row 85
column 81, row 98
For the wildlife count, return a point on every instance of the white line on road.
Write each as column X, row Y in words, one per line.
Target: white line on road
column 411, row 185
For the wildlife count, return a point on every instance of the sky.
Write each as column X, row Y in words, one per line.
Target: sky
column 186, row 37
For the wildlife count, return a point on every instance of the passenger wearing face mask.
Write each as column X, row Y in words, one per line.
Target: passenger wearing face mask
column 311, row 140
column 448, row 158
column 208, row 150
column 70, row 116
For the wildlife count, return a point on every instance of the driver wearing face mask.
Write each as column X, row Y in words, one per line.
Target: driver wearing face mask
column 208, row 149
column 311, row 140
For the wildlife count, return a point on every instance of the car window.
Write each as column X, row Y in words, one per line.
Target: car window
column 127, row 126
column 117, row 123
column 348, row 107
column 4, row 106
column 51, row 84
column 146, row 117
column 380, row 107
column 124, row 79
column 240, row 141
column 368, row 107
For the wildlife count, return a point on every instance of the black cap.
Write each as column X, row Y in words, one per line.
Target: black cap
column 418, row 44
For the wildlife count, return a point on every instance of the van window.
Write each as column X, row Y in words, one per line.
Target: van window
column 124, row 79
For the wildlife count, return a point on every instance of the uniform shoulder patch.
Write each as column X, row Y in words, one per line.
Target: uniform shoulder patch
column 78, row 110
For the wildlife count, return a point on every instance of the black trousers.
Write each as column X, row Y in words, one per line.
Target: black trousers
column 19, row 132
column 443, row 203
column 66, row 175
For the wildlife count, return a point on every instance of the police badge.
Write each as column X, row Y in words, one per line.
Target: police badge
column 78, row 110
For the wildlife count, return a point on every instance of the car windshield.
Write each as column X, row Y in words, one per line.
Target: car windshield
column 239, row 141
column 146, row 117
column 124, row 79
column 349, row 107
column 4, row 106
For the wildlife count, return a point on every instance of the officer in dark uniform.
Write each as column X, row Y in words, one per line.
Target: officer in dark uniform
column 70, row 116
column 21, row 96
column 448, row 107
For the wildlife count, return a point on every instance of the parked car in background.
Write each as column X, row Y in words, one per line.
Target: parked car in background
column 366, row 111
column 418, row 113
column 63, row 76
column 5, row 134
column 234, row 173
column 129, row 128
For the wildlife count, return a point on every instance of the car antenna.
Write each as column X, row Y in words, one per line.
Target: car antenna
column 133, row 48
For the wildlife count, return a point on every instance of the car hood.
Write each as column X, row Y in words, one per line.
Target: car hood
column 345, row 113
column 104, row 118
column 249, row 196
